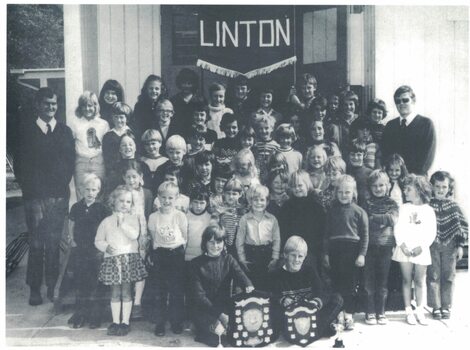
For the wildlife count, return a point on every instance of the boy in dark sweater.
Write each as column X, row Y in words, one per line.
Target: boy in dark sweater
column 359, row 171
column 44, row 165
column 226, row 148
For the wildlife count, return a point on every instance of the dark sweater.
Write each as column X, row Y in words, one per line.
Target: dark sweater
column 44, row 164
column 361, row 174
column 416, row 143
column 347, row 222
column 383, row 214
column 211, row 279
column 225, row 149
column 87, row 219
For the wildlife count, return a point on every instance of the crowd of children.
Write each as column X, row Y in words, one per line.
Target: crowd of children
column 201, row 192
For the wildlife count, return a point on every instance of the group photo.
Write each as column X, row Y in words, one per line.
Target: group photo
column 236, row 175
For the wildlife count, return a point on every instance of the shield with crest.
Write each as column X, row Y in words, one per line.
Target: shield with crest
column 250, row 322
column 300, row 323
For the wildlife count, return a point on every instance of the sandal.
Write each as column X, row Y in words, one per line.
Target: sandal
column 436, row 314
column 445, row 314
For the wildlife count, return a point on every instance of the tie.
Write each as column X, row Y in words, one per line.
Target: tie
column 403, row 123
column 49, row 129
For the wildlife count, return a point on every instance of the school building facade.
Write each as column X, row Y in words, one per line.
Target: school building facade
column 375, row 49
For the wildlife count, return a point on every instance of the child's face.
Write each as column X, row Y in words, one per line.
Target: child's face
column 89, row 110
column 376, row 115
column 308, row 90
column 187, row 87
column 219, row 183
column 411, row 194
column 152, row 148
column 316, row 160
column 231, row 129
column 243, row 167
column 294, row 260
column 217, row 98
column 171, row 178
column 266, row 99
column 333, row 103
column 199, row 118
column 259, row 204
column 317, row 132
column 91, row 191
column 441, row 189
column 363, row 134
column 154, row 90
column 345, row 193
column 286, row 141
column 241, row 92
column 349, row 107
column 110, row 97
column 120, row 121
column 300, row 189
column 318, row 112
column 127, row 148
column 214, row 247
column 394, row 172
column 133, row 179
column 231, row 197
column 379, row 187
column 248, row 142
column 198, row 206
column 167, row 199
column 278, row 186
column 197, row 142
column 264, row 132
column 333, row 175
column 165, row 113
column 356, row 159
column 295, row 122
column 175, row 155
column 123, row 203
column 204, row 170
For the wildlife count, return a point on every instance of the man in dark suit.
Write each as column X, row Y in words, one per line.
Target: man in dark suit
column 410, row 135
column 44, row 164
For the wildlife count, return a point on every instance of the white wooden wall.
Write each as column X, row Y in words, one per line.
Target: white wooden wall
column 426, row 47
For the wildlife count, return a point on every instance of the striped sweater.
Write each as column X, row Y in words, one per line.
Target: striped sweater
column 451, row 222
column 383, row 214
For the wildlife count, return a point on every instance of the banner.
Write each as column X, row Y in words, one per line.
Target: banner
column 245, row 40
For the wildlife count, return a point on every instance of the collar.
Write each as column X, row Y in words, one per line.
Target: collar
column 250, row 215
column 120, row 133
column 409, row 118
column 43, row 125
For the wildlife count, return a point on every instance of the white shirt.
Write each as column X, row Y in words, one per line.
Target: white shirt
column 409, row 118
column 43, row 125
column 88, row 136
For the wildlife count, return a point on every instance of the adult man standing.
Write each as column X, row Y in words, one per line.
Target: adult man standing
column 44, row 166
column 410, row 135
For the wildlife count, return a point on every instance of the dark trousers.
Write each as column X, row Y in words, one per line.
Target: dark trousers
column 45, row 220
column 258, row 258
column 167, row 280
column 344, row 272
column 328, row 314
column 376, row 271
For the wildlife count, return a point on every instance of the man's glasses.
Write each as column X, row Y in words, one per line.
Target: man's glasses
column 165, row 111
column 402, row 100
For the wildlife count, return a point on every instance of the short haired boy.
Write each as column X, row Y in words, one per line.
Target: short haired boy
column 152, row 140
column 240, row 100
column 199, row 119
column 359, row 171
column 202, row 175
column 285, row 137
column 361, row 132
column 217, row 108
column 226, row 148
column 265, row 145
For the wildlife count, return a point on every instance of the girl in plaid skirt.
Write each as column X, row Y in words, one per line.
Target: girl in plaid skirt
column 117, row 238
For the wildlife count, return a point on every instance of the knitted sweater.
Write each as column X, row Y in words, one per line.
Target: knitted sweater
column 451, row 222
column 383, row 214
column 123, row 237
column 196, row 226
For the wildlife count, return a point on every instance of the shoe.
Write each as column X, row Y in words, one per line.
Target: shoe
column 72, row 319
column 421, row 319
column 35, row 297
column 50, row 293
column 445, row 314
column 124, row 329
column 77, row 320
column 370, row 319
column 177, row 328
column 136, row 313
column 94, row 323
column 159, row 330
column 113, row 329
column 382, row 319
column 436, row 314
column 348, row 324
column 411, row 319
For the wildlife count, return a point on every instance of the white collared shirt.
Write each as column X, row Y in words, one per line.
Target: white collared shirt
column 43, row 125
column 409, row 118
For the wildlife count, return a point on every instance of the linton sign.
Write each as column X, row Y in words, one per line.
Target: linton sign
column 245, row 40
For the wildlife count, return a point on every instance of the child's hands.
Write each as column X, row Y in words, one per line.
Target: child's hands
column 417, row 251
column 110, row 250
column 249, row 289
column 272, row 265
column 405, row 249
column 459, row 253
column 326, row 261
column 219, row 329
column 360, row 261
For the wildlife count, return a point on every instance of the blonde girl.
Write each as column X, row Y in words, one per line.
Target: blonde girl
column 315, row 160
column 396, row 170
column 244, row 168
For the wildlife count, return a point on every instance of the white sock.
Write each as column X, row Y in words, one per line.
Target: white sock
column 126, row 311
column 139, row 290
column 115, row 311
column 408, row 310
column 347, row 316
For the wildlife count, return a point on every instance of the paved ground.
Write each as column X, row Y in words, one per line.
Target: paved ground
column 40, row 326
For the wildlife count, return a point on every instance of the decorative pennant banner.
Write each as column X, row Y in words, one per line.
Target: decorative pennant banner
column 245, row 40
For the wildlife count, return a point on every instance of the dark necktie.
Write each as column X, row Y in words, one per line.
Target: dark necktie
column 403, row 123
column 49, row 129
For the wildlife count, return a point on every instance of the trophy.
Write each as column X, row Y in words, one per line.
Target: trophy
column 339, row 337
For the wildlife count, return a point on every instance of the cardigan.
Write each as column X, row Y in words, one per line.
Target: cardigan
column 451, row 222
column 123, row 237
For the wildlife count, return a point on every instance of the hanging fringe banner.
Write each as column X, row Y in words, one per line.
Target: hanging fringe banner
column 245, row 40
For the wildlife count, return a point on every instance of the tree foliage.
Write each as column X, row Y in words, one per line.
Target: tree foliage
column 35, row 36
